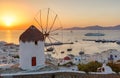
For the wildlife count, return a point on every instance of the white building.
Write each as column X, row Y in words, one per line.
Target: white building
column 31, row 49
column 111, row 55
column 105, row 69
column 81, row 59
column 77, row 60
column 97, row 57
column 65, row 60
column 103, row 57
column 106, row 56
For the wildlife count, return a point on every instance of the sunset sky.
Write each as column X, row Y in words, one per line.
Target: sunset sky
column 19, row 14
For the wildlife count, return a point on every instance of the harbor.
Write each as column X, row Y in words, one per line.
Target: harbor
column 59, row 39
column 13, row 56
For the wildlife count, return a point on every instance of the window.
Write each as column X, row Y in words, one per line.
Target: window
column 36, row 43
column 76, row 59
column 115, row 56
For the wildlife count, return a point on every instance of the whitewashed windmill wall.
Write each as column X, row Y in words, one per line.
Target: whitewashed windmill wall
column 31, row 49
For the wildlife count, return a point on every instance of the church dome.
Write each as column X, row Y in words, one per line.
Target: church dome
column 31, row 34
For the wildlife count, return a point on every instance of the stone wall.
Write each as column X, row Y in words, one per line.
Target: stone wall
column 65, row 75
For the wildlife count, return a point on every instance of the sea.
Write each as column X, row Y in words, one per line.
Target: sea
column 75, row 36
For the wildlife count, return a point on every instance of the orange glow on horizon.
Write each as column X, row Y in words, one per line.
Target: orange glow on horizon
column 19, row 14
column 14, row 15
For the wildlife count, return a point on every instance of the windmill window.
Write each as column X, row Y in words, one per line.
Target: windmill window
column 76, row 59
column 36, row 43
column 115, row 56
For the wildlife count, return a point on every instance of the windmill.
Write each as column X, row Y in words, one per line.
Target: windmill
column 50, row 26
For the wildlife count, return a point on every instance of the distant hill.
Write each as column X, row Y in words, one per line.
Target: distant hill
column 97, row 27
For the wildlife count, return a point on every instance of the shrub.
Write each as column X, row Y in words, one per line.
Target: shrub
column 93, row 66
column 83, row 67
column 89, row 67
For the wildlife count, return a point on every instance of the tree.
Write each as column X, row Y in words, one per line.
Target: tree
column 93, row 66
column 83, row 67
column 89, row 67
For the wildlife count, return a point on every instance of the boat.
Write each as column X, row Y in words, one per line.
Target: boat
column 50, row 49
column 62, row 52
column 69, row 49
column 55, row 43
column 118, row 42
column 81, row 53
column 76, row 40
column 94, row 34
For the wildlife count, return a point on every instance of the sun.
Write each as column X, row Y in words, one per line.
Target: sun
column 8, row 20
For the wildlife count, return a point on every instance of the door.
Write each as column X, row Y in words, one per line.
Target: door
column 33, row 61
